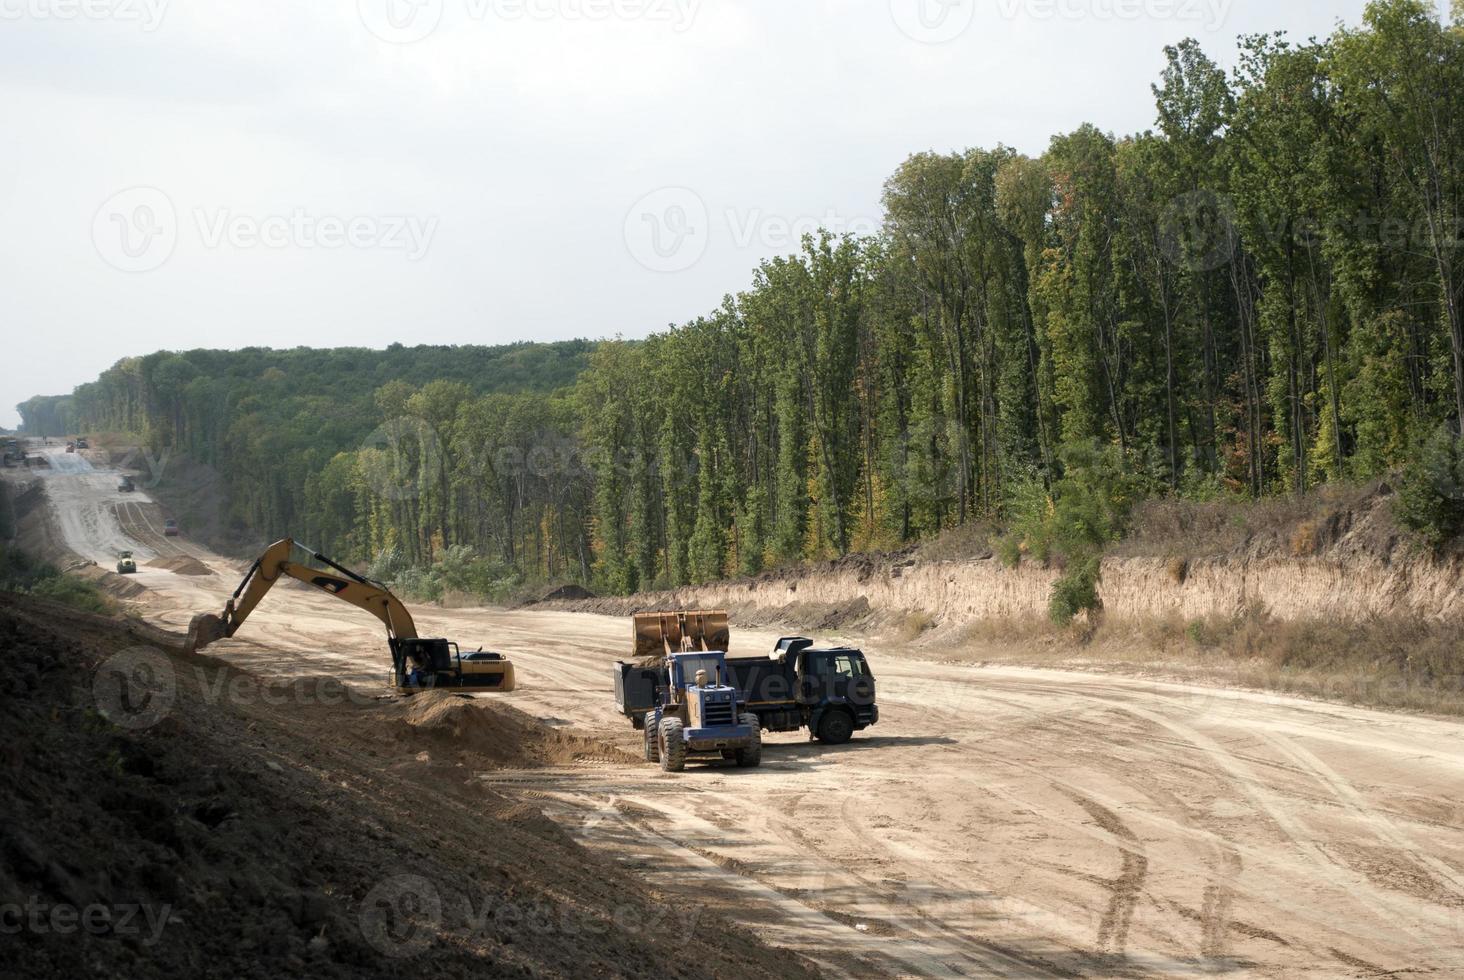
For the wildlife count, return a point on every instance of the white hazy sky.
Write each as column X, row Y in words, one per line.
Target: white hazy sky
column 357, row 172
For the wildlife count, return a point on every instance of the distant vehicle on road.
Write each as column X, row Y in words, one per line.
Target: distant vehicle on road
column 126, row 486
column 71, row 447
column 82, row 444
column 126, row 564
column 170, row 528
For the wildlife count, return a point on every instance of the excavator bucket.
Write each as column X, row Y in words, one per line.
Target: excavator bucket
column 205, row 628
column 660, row 633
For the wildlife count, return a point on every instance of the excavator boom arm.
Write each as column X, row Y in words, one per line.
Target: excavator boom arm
column 277, row 561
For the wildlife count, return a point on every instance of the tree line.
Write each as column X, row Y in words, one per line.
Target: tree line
column 1263, row 293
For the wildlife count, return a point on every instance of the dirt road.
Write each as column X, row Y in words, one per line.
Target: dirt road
column 998, row 822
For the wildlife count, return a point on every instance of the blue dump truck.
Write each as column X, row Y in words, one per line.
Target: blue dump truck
column 830, row 692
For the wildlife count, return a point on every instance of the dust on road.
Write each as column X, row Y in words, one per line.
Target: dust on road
column 997, row 822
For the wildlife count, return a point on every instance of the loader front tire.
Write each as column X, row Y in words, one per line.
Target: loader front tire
column 751, row 756
column 673, row 746
column 653, row 742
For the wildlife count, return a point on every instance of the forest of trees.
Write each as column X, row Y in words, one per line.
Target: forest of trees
column 1262, row 294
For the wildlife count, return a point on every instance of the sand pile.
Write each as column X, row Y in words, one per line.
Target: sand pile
column 181, row 565
column 488, row 733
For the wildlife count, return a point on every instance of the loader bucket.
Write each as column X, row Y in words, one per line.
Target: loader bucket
column 205, row 628
column 659, row 633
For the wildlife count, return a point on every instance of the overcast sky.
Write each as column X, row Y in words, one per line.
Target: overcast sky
column 357, row 172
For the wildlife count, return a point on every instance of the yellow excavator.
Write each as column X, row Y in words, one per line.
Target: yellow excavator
column 416, row 662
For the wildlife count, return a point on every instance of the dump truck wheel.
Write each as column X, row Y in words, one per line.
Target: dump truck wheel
column 836, row 728
column 673, row 747
column 653, row 745
column 751, row 756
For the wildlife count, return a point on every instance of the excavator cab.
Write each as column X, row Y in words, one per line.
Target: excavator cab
column 420, row 663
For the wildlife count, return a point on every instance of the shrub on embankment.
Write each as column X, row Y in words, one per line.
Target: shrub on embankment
column 20, row 573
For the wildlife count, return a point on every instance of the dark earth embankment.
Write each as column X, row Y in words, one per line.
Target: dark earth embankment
column 165, row 817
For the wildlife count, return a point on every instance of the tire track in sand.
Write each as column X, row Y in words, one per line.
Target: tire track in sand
column 1125, row 890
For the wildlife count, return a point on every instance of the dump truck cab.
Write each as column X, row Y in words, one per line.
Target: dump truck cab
column 125, row 485
column 829, row 691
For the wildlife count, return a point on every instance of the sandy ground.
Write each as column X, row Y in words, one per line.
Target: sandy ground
column 998, row 822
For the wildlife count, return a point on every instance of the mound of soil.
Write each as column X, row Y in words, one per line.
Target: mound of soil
column 489, row 732
column 161, row 819
column 562, row 593
column 181, row 565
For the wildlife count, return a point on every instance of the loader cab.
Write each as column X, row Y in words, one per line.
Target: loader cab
column 702, row 691
column 684, row 668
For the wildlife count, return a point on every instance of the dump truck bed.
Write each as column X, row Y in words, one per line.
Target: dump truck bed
column 637, row 689
column 763, row 681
